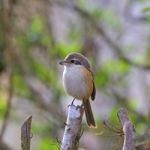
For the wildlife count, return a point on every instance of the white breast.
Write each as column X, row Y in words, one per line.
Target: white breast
column 74, row 82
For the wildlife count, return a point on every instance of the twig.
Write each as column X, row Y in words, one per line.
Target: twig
column 26, row 134
column 128, row 129
column 72, row 131
column 113, row 128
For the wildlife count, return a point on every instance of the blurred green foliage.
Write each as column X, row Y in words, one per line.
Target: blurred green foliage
column 113, row 118
column 20, row 86
column 35, row 34
column 146, row 9
column 140, row 128
column 101, row 78
column 48, row 144
column 106, row 16
column 35, row 31
column 2, row 107
column 118, row 67
column 132, row 103
column 44, row 74
column 110, row 68
column 62, row 49
column 42, row 129
column 110, row 18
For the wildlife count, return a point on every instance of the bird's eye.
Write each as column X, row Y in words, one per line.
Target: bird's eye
column 72, row 61
column 76, row 62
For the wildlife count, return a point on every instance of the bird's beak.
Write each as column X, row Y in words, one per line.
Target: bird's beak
column 63, row 62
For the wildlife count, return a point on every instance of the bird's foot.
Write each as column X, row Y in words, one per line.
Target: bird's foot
column 72, row 103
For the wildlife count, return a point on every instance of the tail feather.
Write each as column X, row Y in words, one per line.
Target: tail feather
column 89, row 114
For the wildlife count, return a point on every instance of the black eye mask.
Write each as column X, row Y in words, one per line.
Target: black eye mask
column 76, row 62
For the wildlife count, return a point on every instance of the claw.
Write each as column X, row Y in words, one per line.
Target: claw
column 72, row 102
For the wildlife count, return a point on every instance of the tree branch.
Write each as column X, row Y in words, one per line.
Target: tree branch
column 72, row 131
column 26, row 134
column 128, row 130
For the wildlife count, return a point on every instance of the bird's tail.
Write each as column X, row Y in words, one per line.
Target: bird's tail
column 89, row 114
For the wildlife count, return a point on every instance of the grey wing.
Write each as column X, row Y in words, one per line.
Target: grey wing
column 93, row 92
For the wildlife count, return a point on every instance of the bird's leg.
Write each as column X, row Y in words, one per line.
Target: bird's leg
column 73, row 101
column 82, row 105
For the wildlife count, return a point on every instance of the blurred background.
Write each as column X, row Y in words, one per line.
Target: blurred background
column 35, row 35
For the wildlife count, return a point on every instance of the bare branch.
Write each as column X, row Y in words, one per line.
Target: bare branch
column 72, row 131
column 26, row 134
column 128, row 130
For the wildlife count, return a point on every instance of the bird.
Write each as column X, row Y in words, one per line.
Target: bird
column 78, row 82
